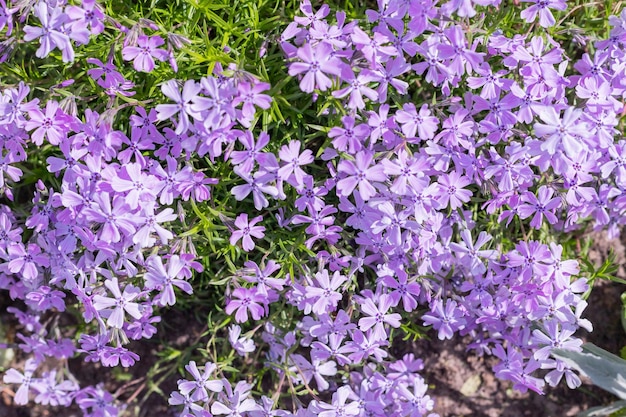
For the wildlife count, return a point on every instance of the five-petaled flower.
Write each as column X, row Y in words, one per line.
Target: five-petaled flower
column 247, row 230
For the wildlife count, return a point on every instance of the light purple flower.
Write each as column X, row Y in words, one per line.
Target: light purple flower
column 242, row 345
column 118, row 304
column 357, row 87
column 144, row 53
column 338, row 406
column 25, row 260
column 245, row 300
column 451, row 190
column 183, row 104
column 52, row 393
column 446, row 319
column 157, row 277
column 51, row 33
column 377, row 316
column 250, row 95
column 45, row 298
column 316, row 63
column 290, row 154
column 197, row 389
column 542, row 7
column 561, row 132
column 413, row 122
column 360, row 173
column 324, row 292
column 246, row 231
column 541, row 205
column 54, row 125
column 25, row 380
column 555, row 335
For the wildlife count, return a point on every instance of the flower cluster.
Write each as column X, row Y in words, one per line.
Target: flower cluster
column 387, row 204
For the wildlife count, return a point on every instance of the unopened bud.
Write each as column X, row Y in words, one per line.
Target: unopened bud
column 68, row 105
column 178, row 41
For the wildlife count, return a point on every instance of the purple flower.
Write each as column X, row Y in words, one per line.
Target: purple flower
column 258, row 185
column 26, row 261
column 316, row 63
column 144, row 53
column 402, row 290
column 456, row 130
column 324, row 293
column 338, row 406
column 373, row 48
column 561, row 132
column 349, row 138
column 436, row 70
column 409, row 172
column 542, row 205
column 143, row 328
column 378, row 316
column 389, row 76
column 360, row 173
column 446, row 320
column 190, row 408
column 157, row 277
column 246, row 300
column 317, row 369
column 139, row 141
column 470, row 253
column 238, row 404
column 25, row 380
column 416, row 401
column 53, row 125
column 247, row 231
column 151, row 224
column 310, row 196
column 523, row 379
column 44, row 298
column 114, row 356
column 246, row 159
column 139, row 186
column 6, row 18
column 290, row 154
column 542, row 7
column 555, row 336
column 463, row 8
column 183, row 104
column 108, row 70
column 307, row 9
column 533, row 257
column 262, row 277
column 88, row 14
column 51, row 33
column 98, row 400
column 413, row 122
column 197, row 389
column 52, row 393
column 451, row 190
column 334, row 349
column 318, row 220
column 357, row 87
column 242, row 345
column 363, row 346
column 115, row 218
column 250, row 95
column 120, row 303
column 461, row 57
